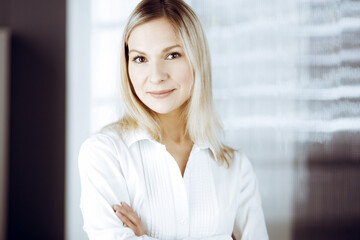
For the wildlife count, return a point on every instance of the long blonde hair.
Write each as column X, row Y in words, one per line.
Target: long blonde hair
column 202, row 123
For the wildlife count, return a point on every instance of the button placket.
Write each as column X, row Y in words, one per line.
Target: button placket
column 181, row 206
column 180, row 196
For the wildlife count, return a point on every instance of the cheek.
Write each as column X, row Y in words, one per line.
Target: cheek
column 186, row 77
column 136, row 78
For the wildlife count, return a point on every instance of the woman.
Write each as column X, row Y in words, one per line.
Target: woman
column 162, row 172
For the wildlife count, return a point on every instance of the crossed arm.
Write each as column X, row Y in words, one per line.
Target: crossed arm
column 101, row 187
column 129, row 218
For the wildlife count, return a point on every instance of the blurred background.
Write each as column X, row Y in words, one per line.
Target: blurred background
column 286, row 86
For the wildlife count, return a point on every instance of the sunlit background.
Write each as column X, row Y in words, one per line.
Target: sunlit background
column 286, row 83
column 287, row 87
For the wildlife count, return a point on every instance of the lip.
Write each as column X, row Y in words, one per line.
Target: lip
column 162, row 93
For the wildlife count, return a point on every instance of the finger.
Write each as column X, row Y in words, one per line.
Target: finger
column 129, row 212
column 121, row 209
column 126, row 221
column 122, row 217
column 131, row 216
column 116, row 207
column 137, row 229
column 126, row 206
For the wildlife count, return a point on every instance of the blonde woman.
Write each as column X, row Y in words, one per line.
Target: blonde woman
column 161, row 171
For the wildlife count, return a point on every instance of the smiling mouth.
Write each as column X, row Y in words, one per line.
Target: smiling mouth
column 161, row 94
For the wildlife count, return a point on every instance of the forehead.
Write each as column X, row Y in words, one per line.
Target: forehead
column 153, row 34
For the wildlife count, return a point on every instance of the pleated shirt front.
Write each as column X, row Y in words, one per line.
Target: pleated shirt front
column 209, row 202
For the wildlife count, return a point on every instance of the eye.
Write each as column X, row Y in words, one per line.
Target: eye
column 139, row 59
column 173, row 55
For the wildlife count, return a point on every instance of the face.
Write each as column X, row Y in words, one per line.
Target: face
column 158, row 68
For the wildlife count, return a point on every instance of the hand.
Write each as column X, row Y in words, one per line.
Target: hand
column 129, row 218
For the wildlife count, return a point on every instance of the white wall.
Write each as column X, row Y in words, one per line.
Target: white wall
column 77, row 107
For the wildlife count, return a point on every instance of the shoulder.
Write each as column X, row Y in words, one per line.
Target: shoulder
column 241, row 160
column 243, row 165
column 103, row 145
column 239, row 166
column 107, row 136
column 113, row 131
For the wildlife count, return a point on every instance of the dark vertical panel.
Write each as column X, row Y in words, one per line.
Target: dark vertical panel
column 37, row 134
column 330, row 205
column 4, row 12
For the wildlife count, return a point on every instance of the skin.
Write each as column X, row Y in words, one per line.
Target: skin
column 162, row 78
column 129, row 218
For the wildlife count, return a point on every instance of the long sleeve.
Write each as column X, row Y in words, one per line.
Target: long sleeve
column 249, row 221
column 102, row 185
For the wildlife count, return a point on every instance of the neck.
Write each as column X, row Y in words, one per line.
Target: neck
column 173, row 128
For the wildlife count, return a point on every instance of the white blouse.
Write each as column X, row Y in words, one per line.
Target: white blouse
column 209, row 202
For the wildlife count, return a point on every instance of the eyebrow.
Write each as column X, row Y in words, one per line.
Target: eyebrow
column 164, row 50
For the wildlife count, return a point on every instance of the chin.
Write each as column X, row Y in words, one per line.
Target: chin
column 163, row 107
column 162, row 111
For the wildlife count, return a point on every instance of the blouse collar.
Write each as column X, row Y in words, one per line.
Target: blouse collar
column 137, row 135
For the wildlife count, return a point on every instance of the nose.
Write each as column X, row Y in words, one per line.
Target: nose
column 159, row 72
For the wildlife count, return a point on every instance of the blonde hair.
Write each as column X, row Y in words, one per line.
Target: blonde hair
column 202, row 123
